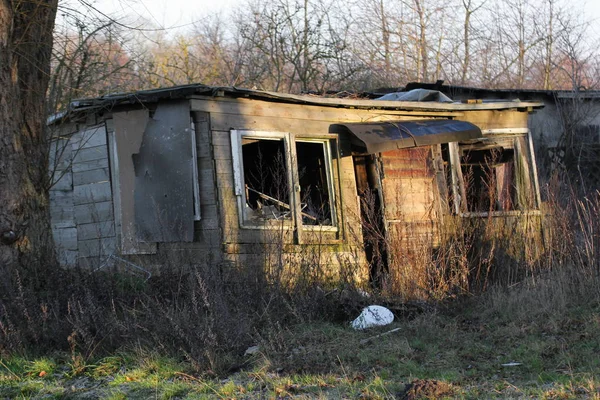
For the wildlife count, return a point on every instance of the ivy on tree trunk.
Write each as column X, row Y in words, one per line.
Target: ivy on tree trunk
column 25, row 48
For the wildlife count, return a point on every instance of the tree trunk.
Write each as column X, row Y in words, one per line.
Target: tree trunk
column 25, row 46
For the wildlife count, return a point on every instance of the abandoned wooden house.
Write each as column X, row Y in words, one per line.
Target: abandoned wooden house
column 566, row 132
column 222, row 175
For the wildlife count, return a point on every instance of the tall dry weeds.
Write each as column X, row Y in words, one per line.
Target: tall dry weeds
column 209, row 313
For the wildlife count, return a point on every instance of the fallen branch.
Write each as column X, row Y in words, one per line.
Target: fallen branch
column 378, row 336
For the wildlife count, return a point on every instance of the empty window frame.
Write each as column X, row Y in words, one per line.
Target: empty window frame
column 490, row 175
column 283, row 179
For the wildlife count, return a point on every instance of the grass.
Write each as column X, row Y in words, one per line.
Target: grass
column 444, row 354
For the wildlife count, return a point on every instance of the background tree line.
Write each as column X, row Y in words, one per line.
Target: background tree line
column 318, row 45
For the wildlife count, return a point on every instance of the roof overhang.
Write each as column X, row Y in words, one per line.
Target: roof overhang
column 376, row 137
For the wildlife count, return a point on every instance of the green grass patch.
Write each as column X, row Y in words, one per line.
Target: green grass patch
column 440, row 355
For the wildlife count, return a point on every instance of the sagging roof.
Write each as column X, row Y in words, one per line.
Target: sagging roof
column 376, row 137
column 109, row 102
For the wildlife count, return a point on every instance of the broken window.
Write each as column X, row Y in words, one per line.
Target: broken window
column 315, row 183
column 268, row 165
column 266, row 179
column 489, row 179
column 492, row 174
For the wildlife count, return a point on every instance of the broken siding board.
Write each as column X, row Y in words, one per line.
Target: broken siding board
column 91, row 176
column 96, row 230
column 128, row 131
column 94, row 212
column 92, row 193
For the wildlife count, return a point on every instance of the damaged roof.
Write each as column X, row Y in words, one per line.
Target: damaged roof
column 108, row 102
column 376, row 137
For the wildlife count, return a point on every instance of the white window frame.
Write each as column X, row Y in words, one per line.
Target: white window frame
column 326, row 142
column 289, row 141
column 196, row 183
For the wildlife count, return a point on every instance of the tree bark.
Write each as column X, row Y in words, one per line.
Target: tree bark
column 26, row 243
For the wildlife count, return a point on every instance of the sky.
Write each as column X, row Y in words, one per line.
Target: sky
column 175, row 15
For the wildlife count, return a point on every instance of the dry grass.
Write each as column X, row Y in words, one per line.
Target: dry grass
column 495, row 299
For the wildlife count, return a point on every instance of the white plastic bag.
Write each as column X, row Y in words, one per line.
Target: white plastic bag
column 373, row 316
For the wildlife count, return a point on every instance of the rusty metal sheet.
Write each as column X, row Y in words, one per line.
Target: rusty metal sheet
column 377, row 137
column 164, row 209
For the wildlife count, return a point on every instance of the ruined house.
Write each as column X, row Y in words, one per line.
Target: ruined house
column 566, row 132
column 221, row 174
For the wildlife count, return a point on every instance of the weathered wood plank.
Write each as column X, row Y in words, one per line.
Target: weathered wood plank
column 91, row 176
column 205, row 164
column 60, row 155
column 225, row 180
column 94, row 212
column 224, row 167
column 65, row 238
column 90, row 154
column 209, row 223
column 62, row 181
column 96, row 230
column 222, row 152
column 67, row 258
column 62, row 214
column 221, row 138
column 223, row 122
column 92, row 193
column 92, row 136
column 252, row 108
column 90, row 165
column 97, row 247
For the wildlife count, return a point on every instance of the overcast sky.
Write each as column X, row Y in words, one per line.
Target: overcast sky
column 169, row 13
column 173, row 14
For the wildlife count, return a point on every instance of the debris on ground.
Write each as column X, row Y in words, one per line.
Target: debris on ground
column 373, row 316
column 250, row 351
column 426, row 389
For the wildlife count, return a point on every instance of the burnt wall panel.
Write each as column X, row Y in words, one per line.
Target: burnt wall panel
column 163, row 194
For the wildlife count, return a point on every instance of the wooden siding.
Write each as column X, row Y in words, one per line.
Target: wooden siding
column 84, row 219
column 411, row 197
column 81, row 198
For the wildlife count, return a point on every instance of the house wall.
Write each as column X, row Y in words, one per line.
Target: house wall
column 411, row 197
column 84, row 204
column 81, row 199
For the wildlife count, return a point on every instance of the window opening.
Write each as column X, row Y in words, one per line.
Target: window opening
column 489, row 179
column 266, row 180
column 314, row 181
